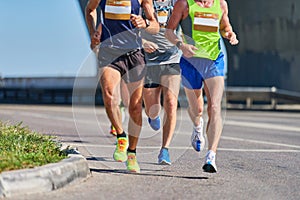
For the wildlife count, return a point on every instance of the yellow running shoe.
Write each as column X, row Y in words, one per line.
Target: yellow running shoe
column 120, row 154
column 113, row 130
column 132, row 164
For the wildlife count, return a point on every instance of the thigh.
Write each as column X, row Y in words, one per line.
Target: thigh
column 151, row 96
column 170, row 85
column 110, row 82
column 136, row 91
column 214, row 89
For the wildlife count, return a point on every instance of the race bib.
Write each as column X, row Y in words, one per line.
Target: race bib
column 206, row 22
column 118, row 9
column 162, row 16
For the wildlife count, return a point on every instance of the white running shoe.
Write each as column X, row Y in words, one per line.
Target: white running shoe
column 197, row 139
column 210, row 162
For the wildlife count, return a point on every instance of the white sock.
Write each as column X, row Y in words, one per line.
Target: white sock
column 211, row 155
column 199, row 128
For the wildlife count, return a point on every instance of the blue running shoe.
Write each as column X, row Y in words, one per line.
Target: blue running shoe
column 164, row 157
column 154, row 123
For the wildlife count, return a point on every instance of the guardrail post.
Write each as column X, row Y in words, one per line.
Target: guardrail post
column 248, row 102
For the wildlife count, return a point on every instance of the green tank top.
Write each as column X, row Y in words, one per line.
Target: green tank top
column 205, row 29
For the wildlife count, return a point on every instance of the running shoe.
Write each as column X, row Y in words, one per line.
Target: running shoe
column 164, row 157
column 154, row 123
column 113, row 130
column 132, row 164
column 120, row 154
column 197, row 138
column 210, row 163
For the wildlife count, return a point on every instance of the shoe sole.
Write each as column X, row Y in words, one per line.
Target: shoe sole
column 163, row 162
column 209, row 168
column 133, row 171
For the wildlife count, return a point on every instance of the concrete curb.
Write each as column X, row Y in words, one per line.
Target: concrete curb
column 45, row 178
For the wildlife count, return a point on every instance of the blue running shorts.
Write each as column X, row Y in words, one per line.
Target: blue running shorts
column 195, row 70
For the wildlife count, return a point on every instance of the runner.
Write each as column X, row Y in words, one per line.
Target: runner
column 163, row 77
column 120, row 57
column 202, row 21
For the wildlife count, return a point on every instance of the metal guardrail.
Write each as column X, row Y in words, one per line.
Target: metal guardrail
column 49, row 96
column 260, row 96
column 236, row 97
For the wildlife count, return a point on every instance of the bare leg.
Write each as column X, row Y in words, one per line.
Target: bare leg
column 124, row 94
column 196, row 103
column 170, row 87
column 135, row 112
column 214, row 91
column 111, row 96
column 152, row 101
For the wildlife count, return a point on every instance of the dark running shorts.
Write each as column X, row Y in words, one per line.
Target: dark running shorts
column 154, row 73
column 131, row 64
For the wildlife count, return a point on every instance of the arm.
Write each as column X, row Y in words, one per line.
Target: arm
column 91, row 19
column 225, row 26
column 139, row 22
column 180, row 12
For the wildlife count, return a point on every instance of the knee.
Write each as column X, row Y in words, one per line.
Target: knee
column 214, row 109
column 110, row 101
column 170, row 105
column 197, row 110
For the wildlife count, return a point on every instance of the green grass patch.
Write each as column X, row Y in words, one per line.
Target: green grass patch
column 22, row 148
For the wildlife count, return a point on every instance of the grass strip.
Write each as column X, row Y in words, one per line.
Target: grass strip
column 22, row 148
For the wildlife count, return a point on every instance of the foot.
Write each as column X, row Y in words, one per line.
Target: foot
column 120, row 154
column 154, row 123
column 132, row 164
column 210, row 163
column 164, row 157
column 197, row 138
column 113, row 131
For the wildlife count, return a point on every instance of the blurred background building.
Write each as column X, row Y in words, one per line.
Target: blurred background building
column 269, row 50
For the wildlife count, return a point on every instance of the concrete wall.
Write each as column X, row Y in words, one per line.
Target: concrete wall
column 269, row 49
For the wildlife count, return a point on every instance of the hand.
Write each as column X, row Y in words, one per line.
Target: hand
column 188, row 50
column 231, row 36
column 137, row 21
column 95, row 40
column 150, row 47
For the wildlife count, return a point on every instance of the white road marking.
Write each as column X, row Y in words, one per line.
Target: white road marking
column 260, row 142
column 262, row 125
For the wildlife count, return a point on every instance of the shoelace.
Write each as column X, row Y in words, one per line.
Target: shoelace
column 210, row 159
column 122, row 144
column 131, row 159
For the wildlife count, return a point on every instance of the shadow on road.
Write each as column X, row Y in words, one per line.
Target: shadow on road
column 116, row 171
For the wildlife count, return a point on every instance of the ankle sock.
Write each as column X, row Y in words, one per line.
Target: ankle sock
column 121, row 135
column 131, row 151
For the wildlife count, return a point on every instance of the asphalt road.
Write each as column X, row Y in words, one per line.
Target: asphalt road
column 258, row 156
